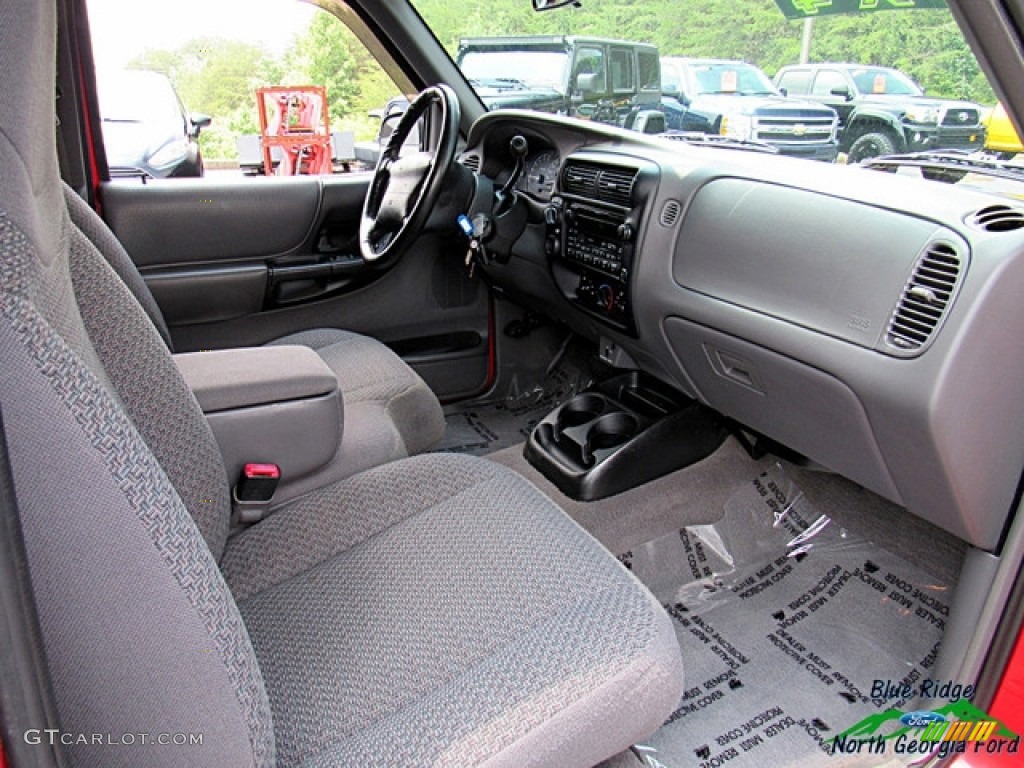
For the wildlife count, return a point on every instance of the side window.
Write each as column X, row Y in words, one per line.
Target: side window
column 648, row 70
column 795, row 81
column 238, row 94
column 826, row 80
column 622, row 70
column 590, row 66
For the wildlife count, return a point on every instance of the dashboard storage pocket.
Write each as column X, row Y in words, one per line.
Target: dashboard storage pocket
column 626, row 431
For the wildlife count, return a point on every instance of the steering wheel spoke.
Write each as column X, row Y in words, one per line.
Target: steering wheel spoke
column 404, row 189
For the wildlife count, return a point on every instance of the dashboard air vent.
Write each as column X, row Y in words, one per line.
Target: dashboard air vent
column 471, row 161
column 670, row 213
column 581, row 179
column 598, row 182
column 615, row 185
column 998, row 218
column 925, row 298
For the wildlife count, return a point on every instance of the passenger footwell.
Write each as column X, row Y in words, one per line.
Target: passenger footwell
column 793, row 631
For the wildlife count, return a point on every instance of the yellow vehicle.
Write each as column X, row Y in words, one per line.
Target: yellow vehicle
column 1001, row 135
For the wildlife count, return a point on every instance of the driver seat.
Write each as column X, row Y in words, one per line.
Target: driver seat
column 389, row 411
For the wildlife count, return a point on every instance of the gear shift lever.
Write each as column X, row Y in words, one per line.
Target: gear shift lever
column 518, row 146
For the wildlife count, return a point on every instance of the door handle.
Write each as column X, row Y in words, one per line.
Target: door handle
column 294, row 282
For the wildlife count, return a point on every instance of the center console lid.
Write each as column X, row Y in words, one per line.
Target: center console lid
column 275, row 405
column 238, row 378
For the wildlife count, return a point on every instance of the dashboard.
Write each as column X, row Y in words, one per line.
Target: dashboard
column 862, row 320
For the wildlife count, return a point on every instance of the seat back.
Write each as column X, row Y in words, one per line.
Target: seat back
column 140, row 633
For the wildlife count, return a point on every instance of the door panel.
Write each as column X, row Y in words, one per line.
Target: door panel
column 244, row 261
column 191, row 296
column 177, row 221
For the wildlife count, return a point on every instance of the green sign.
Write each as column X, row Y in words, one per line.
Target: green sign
column 803, row 9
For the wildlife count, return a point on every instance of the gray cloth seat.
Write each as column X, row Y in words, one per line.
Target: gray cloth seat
column 461, row 635
column 437, row 610
column 390, row 412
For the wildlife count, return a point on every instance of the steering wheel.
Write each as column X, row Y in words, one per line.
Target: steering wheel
column 404, row 189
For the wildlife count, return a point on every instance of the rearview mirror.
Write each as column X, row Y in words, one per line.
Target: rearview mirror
column 550, row 5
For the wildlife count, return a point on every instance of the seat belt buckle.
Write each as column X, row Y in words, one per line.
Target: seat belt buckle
column 255, row 488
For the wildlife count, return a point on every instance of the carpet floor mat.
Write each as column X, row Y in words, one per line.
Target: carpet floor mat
column 483, row 427
column 793, row 631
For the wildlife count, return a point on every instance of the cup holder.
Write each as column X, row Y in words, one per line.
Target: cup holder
column 609, row 431
column 628, row 430
column 578, row 411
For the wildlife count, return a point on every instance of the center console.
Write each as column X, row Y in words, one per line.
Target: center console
column 591, row 235
column 270, row 405
column 624, row 432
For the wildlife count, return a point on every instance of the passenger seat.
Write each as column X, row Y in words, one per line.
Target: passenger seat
column 436, row 610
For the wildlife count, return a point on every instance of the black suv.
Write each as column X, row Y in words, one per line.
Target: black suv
column 882, row 111
column 608, row 81
column 738, row 100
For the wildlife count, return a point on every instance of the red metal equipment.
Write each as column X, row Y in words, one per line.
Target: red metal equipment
column 294, row 118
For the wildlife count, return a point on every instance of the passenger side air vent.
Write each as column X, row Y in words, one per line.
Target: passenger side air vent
column 471, row 161
column 670, row 213
column 997, row 218
column 925, row 299
column 598, row 182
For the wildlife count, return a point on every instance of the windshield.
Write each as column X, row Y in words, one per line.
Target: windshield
column 651, row 65
column 499, row 68
column 734, row 47
column 884, row 81
column 728, row 78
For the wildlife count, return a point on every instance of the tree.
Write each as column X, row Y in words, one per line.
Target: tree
column 324, row 56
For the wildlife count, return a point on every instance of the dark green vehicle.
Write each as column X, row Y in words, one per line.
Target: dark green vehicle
column 608, row 81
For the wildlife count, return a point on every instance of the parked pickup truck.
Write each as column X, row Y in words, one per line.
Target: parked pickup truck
column 738, row 100
column 882, row 111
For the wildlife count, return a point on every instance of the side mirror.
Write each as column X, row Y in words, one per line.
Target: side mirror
column 388, row 122
column 670, row 89
column 842, row 91
column 784, row 91
column 198, row 121
column 587, row 82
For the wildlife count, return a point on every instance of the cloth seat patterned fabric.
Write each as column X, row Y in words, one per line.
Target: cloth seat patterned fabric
column 390, row 412
column 437, row 610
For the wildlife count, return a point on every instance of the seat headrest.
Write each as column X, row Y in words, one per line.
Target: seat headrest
column 29, row 175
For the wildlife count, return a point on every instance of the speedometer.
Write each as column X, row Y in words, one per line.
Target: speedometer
column 540, row 175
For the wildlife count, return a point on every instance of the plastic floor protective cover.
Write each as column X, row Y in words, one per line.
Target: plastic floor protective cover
column 785, row 621
column 479, row 428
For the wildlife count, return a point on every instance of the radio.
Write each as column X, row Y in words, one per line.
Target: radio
column 598, row 245
column 598, row 239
